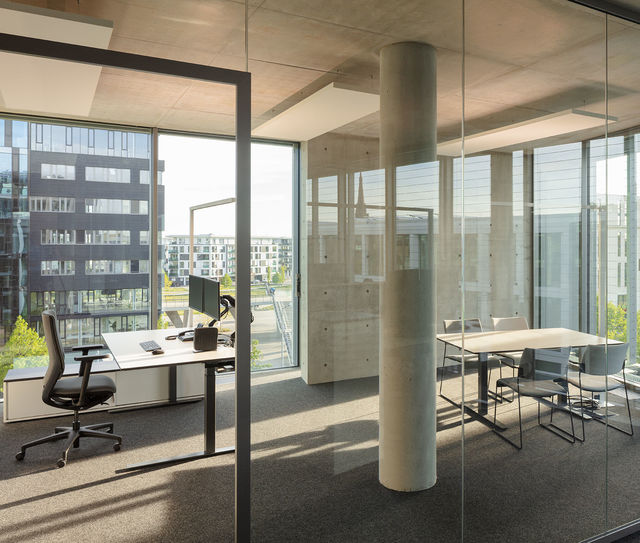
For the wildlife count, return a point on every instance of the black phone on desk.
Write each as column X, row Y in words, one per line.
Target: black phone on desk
column 187, row 335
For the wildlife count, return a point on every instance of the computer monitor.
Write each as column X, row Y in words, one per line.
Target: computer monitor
column 204, row 296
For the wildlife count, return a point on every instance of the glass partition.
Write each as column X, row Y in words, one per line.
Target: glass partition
column 530, row 204
column 616, row 188
column 532, row 223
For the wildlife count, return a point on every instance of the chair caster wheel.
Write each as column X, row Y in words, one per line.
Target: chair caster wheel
column 20, row 456
column 62, row 463
column 116, row 447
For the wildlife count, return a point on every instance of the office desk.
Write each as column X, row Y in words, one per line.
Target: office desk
column 485, row 343
column 127, row 353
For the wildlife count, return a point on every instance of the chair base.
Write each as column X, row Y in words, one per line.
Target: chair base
column 72, row 434
column 549, row 426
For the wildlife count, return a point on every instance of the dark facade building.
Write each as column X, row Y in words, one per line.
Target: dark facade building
column 75, row 227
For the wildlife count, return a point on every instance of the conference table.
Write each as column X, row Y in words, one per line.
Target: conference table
column 483, row 344
column 129, row 355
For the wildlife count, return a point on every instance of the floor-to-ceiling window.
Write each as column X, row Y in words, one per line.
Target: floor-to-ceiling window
column 75, row 233
column 209, row 250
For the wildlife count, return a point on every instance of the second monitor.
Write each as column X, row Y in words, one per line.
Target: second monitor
column 204, row 296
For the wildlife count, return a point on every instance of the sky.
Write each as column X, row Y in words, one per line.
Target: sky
column 200, row 170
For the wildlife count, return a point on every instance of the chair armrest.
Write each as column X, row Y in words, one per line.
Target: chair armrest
column 86, row 348
column 86, row 361
column 85, row 372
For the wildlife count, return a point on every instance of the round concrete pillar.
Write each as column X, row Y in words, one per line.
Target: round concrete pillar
column 407, row 357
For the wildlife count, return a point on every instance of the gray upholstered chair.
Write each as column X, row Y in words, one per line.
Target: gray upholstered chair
column 597, row 364
column 73, row 393
column 542, row 374
column 455, row 327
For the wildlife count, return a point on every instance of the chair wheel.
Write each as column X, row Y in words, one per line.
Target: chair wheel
column 61, row 463
column 116, row 447
column 20, row 456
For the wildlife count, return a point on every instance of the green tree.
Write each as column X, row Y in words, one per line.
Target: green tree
column 24, row 342
column 277, row 279
column 256, row 357
column 164, row 322
column 167, row 281
column 226, row 281
column 616, row 322
column 268, row 274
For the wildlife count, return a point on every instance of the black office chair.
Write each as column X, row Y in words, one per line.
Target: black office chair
column 74, row 393
column 542, row 374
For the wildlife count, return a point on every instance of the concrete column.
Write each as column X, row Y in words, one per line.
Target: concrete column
column 408, row 308
column 501, row 242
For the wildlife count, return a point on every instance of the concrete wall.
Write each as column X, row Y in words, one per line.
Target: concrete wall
column 340, row 307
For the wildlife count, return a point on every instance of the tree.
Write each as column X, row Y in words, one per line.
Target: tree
column 268, row 274
column 226, row 281
column 167, row 281
column 256, row 357
column 616, row 322
column 23, row 342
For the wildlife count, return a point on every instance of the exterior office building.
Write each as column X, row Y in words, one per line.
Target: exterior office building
column 215, row 257
column 75, row 226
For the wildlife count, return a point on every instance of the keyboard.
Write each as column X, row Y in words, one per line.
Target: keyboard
column 149, row 345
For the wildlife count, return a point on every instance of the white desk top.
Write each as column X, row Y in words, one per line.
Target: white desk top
column 517, row 340
column 126, row 350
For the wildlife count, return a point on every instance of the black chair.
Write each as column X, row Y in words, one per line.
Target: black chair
column 73, row 393
column 542, row 374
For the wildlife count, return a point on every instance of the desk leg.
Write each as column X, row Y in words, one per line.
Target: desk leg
column 209, row 409
column 209, row 430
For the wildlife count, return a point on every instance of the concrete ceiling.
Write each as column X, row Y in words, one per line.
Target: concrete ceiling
column 523, row 59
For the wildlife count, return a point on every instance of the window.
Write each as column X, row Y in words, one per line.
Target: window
column 144, row 237
column 143, row 266
column 107, row 175
column 57, row 237
column 118, row 207
column 107, row 267
column 107, row 237
column 57, row 171
column 52, row 204
column 57, row 267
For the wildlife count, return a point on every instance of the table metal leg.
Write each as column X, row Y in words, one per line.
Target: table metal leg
column 480, row 414
column 209, row 430
column 483, row 384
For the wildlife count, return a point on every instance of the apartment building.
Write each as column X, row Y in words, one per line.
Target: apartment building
column 215, row 257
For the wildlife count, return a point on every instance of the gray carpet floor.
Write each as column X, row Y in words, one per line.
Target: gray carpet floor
column 314, row 476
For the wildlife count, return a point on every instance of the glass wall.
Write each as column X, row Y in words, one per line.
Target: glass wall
column 541, row 219
column 525, row 207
